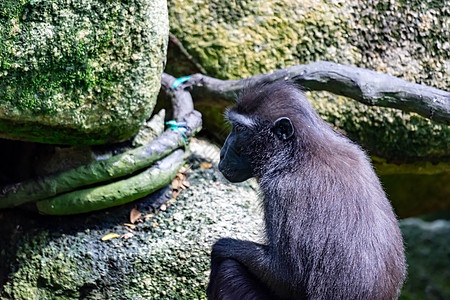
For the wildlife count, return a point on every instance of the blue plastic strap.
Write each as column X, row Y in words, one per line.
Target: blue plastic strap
column 179, row 81
column 178, row 126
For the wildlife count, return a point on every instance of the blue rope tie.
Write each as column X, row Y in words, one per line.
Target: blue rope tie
column 178, row 126
column 179, row 81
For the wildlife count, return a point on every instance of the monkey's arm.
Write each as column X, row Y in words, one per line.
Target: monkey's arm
column 255, row 257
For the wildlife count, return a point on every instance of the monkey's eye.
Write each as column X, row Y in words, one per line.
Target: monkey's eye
column 238, row 127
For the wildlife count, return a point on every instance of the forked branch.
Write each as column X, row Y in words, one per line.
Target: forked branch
column 366, row 86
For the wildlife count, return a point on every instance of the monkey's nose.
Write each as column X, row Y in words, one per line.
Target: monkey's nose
column 222, row 154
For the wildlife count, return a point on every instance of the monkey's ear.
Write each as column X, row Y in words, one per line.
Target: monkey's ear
column 283, row 128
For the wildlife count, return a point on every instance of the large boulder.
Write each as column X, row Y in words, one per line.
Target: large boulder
column 79, row 72
column 427, row 252
column 167, row 255
column 408, row 39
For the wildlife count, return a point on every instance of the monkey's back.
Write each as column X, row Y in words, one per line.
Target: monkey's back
column 339, row 238
column 331, row 232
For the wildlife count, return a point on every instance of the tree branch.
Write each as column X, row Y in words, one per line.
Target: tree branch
column 114, row 167
column 116, row 193
column 366, row 86
column 177, row 43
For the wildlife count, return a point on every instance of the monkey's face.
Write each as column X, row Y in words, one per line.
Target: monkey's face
column 234, row 161
column 250, row 142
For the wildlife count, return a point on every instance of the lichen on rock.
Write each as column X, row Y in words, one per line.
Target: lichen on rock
column 168, row 255
column 404, row 38
column 79, row 72
column 237, row 39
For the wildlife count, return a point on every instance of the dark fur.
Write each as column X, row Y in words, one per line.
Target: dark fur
column 331, row 232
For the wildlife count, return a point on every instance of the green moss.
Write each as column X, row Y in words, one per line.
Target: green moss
column 59, row 263
column 413, row 47
column 241, row 38
column 237, row 39
column 427, row 257
column 55, row 279
column 67, row 71
column 41, row 133
column 80, row 65
column 389, row 133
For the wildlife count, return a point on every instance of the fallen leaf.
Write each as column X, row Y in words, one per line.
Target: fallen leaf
column 155, row 224
column 110, row 236
column 130, row 225
column 175, row 194
column 148, row 216
column 184, row 169
column 127, row 235
column 206, row 165
column 186, row 183
column 175, row 184
column 134, row 215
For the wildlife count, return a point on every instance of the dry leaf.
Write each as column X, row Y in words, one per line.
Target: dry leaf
column 175, row 194
column 186, row 183
column 127, row 235
column 130, row 225
column 134, row 215
column 184, row 169
column 148, row 216
column 155, row 224
column 175, row 184
column 206, row 165
column 110, row 236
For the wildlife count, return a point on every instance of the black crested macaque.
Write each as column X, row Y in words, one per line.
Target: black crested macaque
column 330, row 230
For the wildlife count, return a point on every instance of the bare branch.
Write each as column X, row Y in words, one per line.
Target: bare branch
column 116, row 193
column 117, row 166
column 181, row 99
column 366, row 86
column 177, row 43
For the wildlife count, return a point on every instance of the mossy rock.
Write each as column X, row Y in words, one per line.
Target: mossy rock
column 427, row 252
column 79, row 72
column 233, row 40
column 167, row 256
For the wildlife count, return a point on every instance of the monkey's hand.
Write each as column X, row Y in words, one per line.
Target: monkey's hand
column 242, row 251
column 255, row 257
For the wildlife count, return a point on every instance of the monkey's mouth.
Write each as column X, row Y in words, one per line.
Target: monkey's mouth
column 234, row 173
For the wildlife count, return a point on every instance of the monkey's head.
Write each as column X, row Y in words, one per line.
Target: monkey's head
column 271, row 124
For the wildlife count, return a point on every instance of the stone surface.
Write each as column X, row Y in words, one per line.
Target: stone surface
column 408, row 39
column 405, row 38
column 167, row 256
column 427, row 252
column 79, row 72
